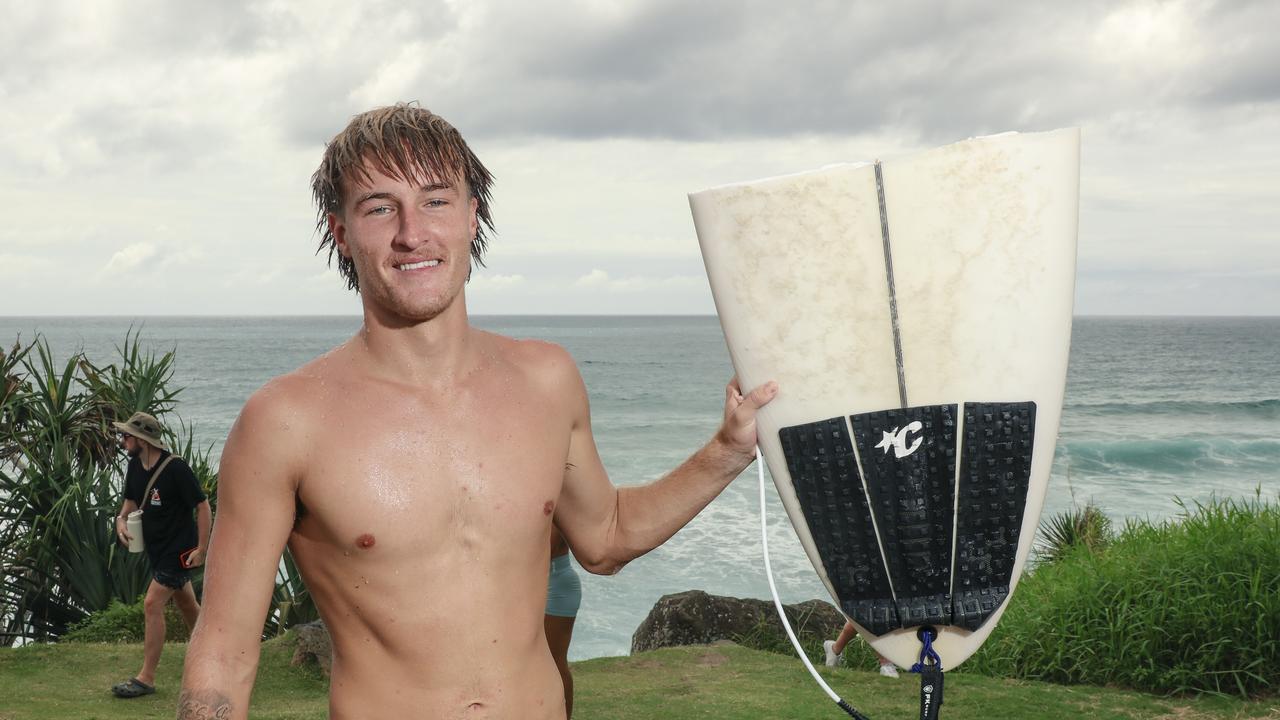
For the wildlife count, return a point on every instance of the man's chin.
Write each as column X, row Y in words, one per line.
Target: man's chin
column 403, row 311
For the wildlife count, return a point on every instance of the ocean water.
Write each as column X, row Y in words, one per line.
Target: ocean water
column 1156, row 409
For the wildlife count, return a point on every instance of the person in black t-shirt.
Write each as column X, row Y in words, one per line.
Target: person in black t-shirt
column 175, row 541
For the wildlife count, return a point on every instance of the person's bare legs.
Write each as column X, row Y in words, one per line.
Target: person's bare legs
column 153, row 637
column 847, row 633
column 559, row 632
column 187, row 604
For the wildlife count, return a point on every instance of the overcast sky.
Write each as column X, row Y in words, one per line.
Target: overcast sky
column 155, row 155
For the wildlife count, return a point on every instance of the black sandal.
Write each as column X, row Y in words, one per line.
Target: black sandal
column 132, row 688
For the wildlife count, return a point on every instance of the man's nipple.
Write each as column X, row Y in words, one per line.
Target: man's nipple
column 548, row 506
column 365, row 541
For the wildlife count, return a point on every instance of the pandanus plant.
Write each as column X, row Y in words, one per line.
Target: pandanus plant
column 61, row 484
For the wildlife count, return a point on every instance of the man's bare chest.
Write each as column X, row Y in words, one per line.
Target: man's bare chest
column 409, row 472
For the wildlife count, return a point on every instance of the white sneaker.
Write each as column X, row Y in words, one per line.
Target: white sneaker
column 889, row 670
column 832, row 658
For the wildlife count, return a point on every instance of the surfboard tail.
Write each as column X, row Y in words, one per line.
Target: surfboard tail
column 916, row 315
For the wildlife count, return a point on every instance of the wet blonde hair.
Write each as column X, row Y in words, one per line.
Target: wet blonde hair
column 402, row 141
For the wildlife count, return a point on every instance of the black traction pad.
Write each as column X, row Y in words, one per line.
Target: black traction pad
column 910, row 474
column 824, row 474
column 996, row 471
column 909, row 464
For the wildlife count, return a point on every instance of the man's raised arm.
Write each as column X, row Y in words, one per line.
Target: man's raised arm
column 257, row 485
column 607, row 527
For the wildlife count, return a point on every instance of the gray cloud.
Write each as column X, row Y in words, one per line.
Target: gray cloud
column 318, row 89
column 730, row 69
column 194, row 127
column 1245, row 66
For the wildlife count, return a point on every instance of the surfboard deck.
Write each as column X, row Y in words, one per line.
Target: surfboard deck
column 916, row 314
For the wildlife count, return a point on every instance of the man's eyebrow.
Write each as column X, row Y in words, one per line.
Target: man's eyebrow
column 377, row 195
column 384, row 195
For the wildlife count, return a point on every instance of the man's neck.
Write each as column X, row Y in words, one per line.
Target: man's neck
column 431, row 352
column 149, row 456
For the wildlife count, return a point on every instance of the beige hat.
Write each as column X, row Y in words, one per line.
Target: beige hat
column 144, row 427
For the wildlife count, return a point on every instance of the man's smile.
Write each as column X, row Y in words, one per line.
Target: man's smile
column 417, row 265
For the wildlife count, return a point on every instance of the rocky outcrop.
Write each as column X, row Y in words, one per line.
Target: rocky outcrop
column 697, row 618
column 313, row 646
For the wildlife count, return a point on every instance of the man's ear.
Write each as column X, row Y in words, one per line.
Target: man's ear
column 475, row 222
column 339, row 231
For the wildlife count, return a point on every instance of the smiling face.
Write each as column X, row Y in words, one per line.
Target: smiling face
column 409, row 239
column 401, row 140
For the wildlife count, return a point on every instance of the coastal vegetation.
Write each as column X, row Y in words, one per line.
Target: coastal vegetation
column 1184, row 606
column 1188, row 605
column 61, row 478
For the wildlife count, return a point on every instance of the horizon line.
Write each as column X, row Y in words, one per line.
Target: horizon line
column 541, row 315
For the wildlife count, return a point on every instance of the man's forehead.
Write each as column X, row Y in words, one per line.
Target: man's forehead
column 371, row 173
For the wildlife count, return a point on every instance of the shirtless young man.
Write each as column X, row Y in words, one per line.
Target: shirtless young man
column 416, row 470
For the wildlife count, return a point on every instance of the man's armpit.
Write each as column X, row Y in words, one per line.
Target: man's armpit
column 203, row 705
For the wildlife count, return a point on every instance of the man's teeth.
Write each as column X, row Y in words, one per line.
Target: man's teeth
column 417, row 265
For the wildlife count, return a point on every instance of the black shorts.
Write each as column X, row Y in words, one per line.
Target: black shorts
column 172, row 579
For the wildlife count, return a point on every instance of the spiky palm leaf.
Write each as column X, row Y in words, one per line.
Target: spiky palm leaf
column 1060, row 534
column 61, row 485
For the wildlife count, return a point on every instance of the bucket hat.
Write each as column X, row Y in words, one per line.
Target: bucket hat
column 144, row 427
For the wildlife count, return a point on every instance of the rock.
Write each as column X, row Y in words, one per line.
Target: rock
column 698, row 618
column 313, row 646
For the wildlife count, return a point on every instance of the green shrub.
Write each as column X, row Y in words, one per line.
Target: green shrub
column 1184, row 606
column 121, row 623
column 118, row 623
column 1061, row 534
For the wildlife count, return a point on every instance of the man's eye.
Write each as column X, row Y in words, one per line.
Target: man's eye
column 437, row 202
column 379, row 210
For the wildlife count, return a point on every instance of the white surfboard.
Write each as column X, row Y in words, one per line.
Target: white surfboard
column 916, row 314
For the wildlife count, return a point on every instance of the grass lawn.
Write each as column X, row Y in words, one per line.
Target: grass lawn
column 72, row 682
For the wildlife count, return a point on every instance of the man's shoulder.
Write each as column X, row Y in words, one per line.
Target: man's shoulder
column 179, row 470
column 282, row 404
column 177, row 464
column 294, row 390
column 541, row 360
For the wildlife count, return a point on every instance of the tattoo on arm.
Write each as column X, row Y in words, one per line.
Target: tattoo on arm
column 203, row 705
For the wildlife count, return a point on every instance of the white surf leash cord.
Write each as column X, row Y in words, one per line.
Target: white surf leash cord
column 777, row 603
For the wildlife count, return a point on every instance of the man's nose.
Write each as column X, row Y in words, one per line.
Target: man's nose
column 414, row 230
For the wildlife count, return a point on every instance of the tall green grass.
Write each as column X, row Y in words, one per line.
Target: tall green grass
column 1190, row 605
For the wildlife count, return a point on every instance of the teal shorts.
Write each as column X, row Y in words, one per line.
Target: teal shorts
column 564, row 590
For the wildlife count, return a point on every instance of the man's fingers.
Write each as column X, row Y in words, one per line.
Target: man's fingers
column 733, row 392
column 760, row 396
